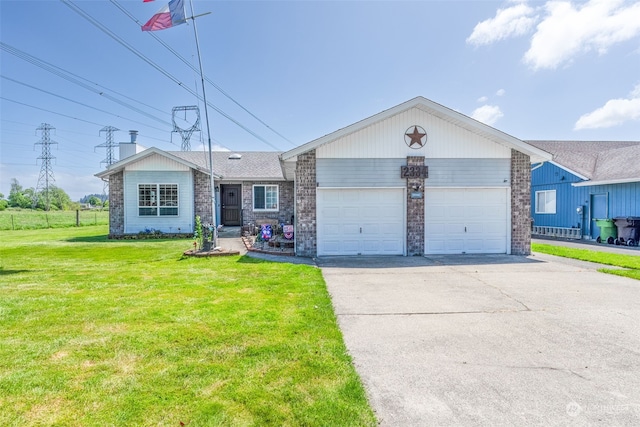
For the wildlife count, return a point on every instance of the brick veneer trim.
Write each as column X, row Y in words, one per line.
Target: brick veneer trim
column 305, row 199
column 520, row 203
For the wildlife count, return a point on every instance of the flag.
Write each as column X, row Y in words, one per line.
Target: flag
column 167, row 17
column 145, row 1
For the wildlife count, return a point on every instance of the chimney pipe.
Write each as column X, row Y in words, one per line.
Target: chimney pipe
column 134, row 135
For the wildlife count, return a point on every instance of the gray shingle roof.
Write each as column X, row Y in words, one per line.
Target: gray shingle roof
column 252, row 165
column 596, row 160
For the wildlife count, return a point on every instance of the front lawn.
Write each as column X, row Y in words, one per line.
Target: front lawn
column 629, row 263
column 128, row 333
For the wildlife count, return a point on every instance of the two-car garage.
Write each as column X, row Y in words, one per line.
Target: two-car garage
column 416, row 179
column 372, row 221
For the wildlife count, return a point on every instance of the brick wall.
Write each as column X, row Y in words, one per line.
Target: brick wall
column 415, row 211
column 305, row 231
column 202, row 196
column 520, row 203
column 116, row 204
column 286, row 202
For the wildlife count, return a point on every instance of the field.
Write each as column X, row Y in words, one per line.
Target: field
column 27, row 219
column 112, row 333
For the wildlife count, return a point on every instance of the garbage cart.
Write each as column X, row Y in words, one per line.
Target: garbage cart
column 628, row 230
column 608, row 231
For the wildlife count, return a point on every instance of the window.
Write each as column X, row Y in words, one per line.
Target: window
column 158, row 199
column 265, row 197
column 546, row 202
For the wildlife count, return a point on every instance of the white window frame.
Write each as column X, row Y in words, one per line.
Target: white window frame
column 549, row 205
column 273, row 208
column 155, row 201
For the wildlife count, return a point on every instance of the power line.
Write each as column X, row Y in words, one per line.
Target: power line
column 140, row 55
column 75, row 102
column 79, row 119
column 190, row 65
column 49, row 111
column 60, row 72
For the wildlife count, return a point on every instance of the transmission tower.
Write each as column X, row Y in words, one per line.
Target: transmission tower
column 109, row 160
column 45, row 179
column 185, row 133
column 108, row 144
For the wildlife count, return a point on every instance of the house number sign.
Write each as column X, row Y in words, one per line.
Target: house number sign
column 414, row 172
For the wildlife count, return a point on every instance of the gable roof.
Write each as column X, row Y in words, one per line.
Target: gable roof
column 240, row 165
column 597, row 162
column 437, row 110
column 251, row 165
column 122, row 164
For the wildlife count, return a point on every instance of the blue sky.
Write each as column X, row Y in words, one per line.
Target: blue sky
column 533, row 69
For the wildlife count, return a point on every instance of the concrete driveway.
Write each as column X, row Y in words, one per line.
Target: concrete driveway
column 490, row 340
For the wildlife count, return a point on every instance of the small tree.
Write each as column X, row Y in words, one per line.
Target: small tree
column 198, row 235
column 94, row 201
column 19, row 197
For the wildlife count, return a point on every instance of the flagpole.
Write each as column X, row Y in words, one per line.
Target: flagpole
column 214, row 234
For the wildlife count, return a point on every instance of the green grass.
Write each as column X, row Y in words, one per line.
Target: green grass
column 630, row 263
column 27, row 219
column 110, row 333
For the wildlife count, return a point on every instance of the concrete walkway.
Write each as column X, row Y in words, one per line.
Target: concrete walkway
column 490, row 340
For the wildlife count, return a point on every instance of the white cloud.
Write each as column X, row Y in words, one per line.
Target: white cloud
column 567, row 31
column 482, row 99
column 501, row 92
column 613, row 113
column 512, row 21
column 487, row 114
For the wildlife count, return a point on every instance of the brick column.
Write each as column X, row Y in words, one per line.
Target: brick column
column 305, row 227
column 415, row 211
column 116, row 204
column 520, row 203
column 202, row 196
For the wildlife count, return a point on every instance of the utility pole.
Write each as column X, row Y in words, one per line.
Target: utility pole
column 109, row 160
column 45, row 179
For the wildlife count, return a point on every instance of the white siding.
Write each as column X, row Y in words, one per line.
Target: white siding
column 157, row 163
column 167, row 224
column 468, row 173
column 386, row 172
column 385, row 139
column 360, row 172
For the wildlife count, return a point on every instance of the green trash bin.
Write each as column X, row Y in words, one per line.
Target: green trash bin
column 608, row 231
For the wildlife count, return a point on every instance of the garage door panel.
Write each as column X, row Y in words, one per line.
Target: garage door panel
column 348, row 229
column 453, row 228
column 370, row 221
column 474, row 220
column 454, row 245
column 438, row 213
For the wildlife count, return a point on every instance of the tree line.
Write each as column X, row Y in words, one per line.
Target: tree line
column 53, row 199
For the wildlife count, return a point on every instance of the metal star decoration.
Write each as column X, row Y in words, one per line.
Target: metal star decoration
column 415, row 137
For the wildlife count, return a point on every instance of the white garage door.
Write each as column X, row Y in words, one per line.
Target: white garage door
column 468, row 221
column 361, row 221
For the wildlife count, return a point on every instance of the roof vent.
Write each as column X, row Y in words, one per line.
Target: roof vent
column 235, row 156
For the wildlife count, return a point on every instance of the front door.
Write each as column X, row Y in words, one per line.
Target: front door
column 231, row 204
column 598, row 211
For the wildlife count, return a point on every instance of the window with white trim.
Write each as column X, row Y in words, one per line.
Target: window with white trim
column 265, row 198
column 158, row 199
column 546, row 202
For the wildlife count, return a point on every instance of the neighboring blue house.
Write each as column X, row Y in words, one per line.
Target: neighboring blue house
column 585, row 181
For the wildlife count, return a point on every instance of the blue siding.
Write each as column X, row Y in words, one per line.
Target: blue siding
column 623, row 199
